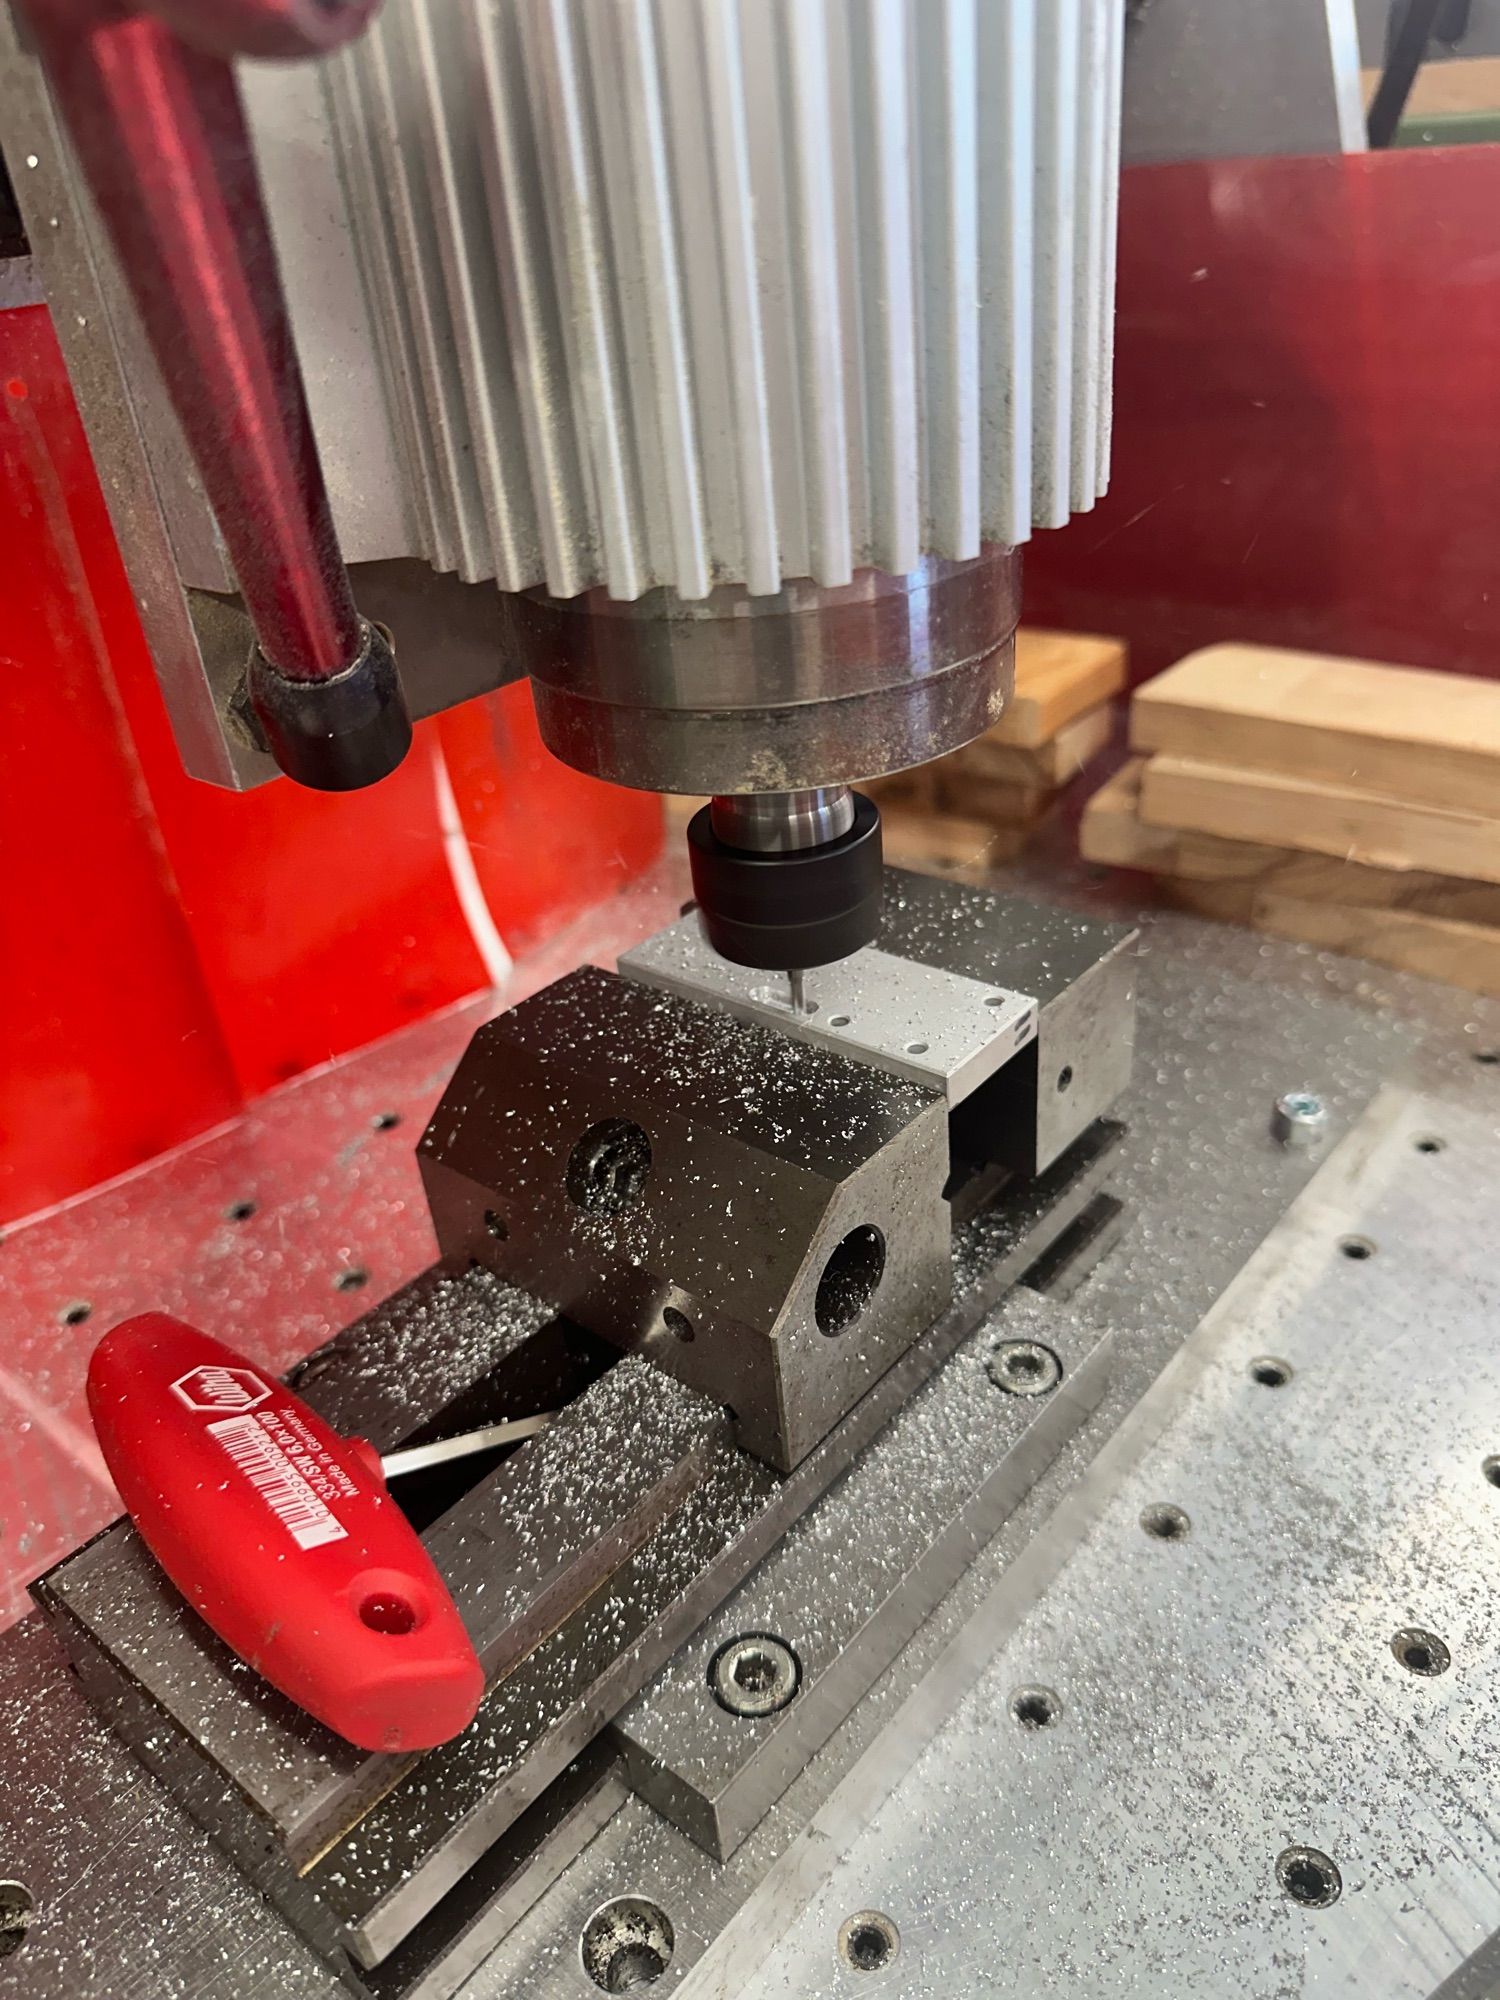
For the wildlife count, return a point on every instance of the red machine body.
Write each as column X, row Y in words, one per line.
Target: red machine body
column 173, row 951
column 282, row 1536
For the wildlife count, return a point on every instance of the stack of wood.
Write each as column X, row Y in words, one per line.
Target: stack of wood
column 1341, row 803
column 978, row 807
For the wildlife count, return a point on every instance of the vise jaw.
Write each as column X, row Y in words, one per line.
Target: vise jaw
column 761, row 1218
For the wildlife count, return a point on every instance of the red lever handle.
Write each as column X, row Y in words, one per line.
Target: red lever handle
column 282, row 1536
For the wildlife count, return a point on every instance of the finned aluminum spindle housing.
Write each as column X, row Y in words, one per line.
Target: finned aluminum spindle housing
column 737, row 344
column 747, row 339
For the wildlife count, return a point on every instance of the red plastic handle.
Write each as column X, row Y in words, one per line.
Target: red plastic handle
column 282, row 1536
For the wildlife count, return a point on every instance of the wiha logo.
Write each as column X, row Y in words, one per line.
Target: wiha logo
column 216, row 1388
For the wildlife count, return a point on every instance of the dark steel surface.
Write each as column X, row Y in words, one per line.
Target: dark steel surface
column 146, row 1831
column 370, row 1890
column 547, row 1531
column 952, row 1466
column 79, row 1819
column 506, row 1880
column 982, row 932
column 419, row 1841
column 761, row 1156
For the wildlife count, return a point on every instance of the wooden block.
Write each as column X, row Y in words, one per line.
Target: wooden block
column 678, row 809
column 1059, row 675
column 967, row 795
column 941, row 844
column 1402, row 732
column 1112, row 831
column 1320, row 817
column 1465, row 955
column 1225, row 902
column 1451, row 89
column 917, row 789
column 1052, row 764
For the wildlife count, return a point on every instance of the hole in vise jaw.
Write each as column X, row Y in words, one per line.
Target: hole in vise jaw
column 16, row 1903
column 608, row 1168
column 850, row 1279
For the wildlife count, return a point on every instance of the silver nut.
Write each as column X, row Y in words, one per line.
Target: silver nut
column 1024, row 1368
column 1299, row 1119
column 756, row 1674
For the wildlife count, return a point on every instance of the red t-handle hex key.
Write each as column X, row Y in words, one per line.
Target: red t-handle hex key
column 282, row 1536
